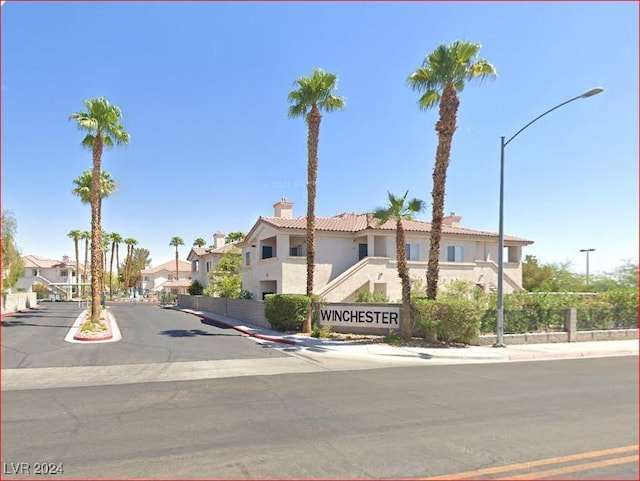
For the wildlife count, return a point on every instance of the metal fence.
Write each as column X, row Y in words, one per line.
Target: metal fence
column 599, row 319
column 521, row 321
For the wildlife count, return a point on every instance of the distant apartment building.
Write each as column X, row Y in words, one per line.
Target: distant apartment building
column 162, row 278
column 354, row 252
column 58, row 277
column 205, row 259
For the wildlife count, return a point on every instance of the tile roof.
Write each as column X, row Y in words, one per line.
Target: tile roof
column 169, row 266
column 201, row 251
column 32, row 261
column 355, row 223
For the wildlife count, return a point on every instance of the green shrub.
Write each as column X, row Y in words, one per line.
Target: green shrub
column 366, row 296
column 320, row 332
column 286, row 312
column 195, row 289
column 452, row 319
column 393, row 339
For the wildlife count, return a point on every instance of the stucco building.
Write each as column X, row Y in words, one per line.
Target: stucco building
column 204, row 259
column 162, row 278
column 59, row 277
column 354, row 252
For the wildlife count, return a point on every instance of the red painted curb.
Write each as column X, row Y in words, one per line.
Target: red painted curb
column 204, row 319
column 213, row 322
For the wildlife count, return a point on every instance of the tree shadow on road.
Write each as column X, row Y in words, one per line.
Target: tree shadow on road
column 190, row 333
column 18, row 323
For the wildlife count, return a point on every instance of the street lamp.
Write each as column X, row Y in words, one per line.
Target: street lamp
column 503, row 144
column 587, row 251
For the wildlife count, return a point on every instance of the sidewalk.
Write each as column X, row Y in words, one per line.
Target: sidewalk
column 323, row 349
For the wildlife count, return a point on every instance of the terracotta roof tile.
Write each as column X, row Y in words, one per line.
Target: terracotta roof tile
column 353, row 223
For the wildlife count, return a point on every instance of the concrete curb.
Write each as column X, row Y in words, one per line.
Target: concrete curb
column 113, row 332
column 246, row 331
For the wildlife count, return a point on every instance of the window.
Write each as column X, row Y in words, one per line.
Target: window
column 267, row 252
column 207, row 266
column 64, row 272
column 454, row 253
column 297, row 251
column 36, row 272
column 247, row 258
column 195, row 266
column 363, row 251
column 145, row 278
column 413, row 252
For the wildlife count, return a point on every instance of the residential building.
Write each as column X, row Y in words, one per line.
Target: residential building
column 204, row 259
column 59, row 277
column 354, row 252
column 156, row 279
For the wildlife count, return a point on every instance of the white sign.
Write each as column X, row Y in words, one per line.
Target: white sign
column 385, row 317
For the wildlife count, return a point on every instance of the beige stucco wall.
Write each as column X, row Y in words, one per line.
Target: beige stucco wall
column 339, row 274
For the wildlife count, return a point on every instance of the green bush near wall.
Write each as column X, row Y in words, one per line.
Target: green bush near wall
column 452, row 319
column 286, row 312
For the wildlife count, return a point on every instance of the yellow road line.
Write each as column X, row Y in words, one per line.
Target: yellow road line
column 533, row 464
column 577, row 468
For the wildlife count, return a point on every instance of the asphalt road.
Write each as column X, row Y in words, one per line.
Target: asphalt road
column 150, row 334
column 406, row 422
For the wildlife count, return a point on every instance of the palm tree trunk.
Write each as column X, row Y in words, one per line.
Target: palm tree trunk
column 177, row 262
column 118, row 263
column 96, row 232
column 312, row 175
column 403, row 273
column 445, row 127
column 75, row 241
column 113, row 250
column 86, row 262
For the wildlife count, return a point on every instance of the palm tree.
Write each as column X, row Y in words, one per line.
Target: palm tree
column 116, row 239
column 86, row 236
column 176, row 241
column 234, row 236
column 106, row 244
column 76, row 235
column 399, row 210
column 199, row 242
column 102, row 122
column 440, row 78
column 312, row 95
column 130, row 242
column 83, row 186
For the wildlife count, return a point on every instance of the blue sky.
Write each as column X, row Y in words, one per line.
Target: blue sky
column 203, row 86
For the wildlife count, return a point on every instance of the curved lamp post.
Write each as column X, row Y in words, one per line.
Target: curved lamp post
column 503, row 144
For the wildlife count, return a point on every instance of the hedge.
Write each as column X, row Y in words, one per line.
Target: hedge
column 286, row 312
column 452, row 320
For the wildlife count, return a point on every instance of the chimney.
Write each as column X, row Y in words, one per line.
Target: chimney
column 452, row 220
column 65, row 259
column 218, row 239
column 283, row 209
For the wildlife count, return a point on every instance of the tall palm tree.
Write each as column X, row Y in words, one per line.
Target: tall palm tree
column 106, row 244
column 313, row 94
column 441, row 77
column 130, row 242
column 199, row 242
column 76, row 235
column 116, row 239
column 86, row 236
column 176, row 241
column 102, row 122
column 398, row 210
column 83, row 186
